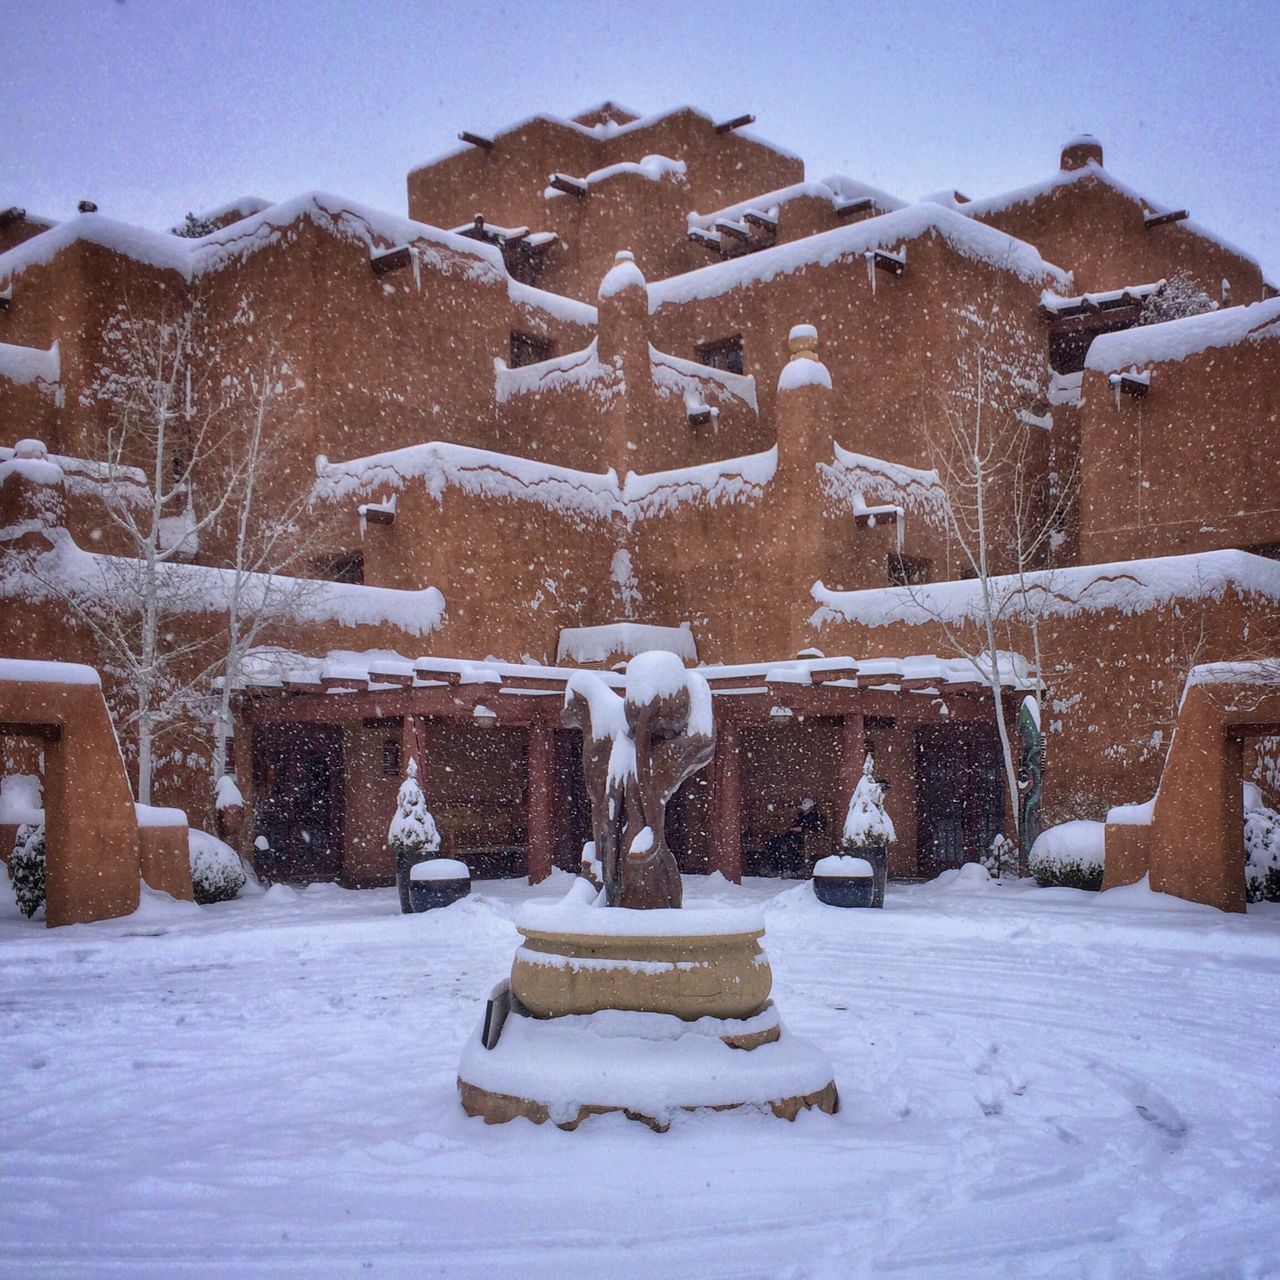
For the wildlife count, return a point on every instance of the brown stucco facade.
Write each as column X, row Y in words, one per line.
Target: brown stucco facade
column 509, row 433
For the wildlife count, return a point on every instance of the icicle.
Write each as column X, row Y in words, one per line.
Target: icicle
column 871, row 270
column 417, row 269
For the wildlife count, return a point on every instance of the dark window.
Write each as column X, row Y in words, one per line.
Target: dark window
column 1269, row 549
column 348, row 567
column 724, row 353
column 527, row 349
column 909, row 571
column 390, row 758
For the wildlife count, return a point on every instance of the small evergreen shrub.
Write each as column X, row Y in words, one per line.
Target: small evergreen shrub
column 26, row 868
column 216, row 871
column 1069, row 855
column 1001, row 859
column 193, row 227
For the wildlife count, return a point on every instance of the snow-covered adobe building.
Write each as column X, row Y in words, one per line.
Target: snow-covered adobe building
column 620, row 383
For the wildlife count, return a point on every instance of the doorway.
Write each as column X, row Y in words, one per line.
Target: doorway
column 959, row 794
column 298, row 791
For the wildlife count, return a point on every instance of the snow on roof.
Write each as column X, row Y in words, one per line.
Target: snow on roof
column 693, row 382
column 859, row 478
column 68, row 571
column 583, row 369
column 606, row 130
column 972, row 239
column 27, row 365
column 673, row 375
column 654, row 168
column 272, row 666
column 595, row 644
column 34, row 672
column 1127, row 586
column 86, row 477
column 837, row 190
column 583, row 495
column 1056, row 302
column 1176, row 339
column 1091, row 170
column 343, row 218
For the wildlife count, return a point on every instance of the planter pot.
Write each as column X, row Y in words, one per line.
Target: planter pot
column 844, row 881
column 437, row 882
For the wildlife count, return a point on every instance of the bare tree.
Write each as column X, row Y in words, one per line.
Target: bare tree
column 1001, row 515
column 268, row 542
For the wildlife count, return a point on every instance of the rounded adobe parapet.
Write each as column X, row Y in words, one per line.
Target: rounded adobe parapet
column 1081, row 151
column 720, row 975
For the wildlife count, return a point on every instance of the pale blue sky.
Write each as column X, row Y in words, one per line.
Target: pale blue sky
column 153, row 107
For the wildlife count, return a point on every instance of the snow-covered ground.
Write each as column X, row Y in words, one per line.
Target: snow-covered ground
column 1034, row 1082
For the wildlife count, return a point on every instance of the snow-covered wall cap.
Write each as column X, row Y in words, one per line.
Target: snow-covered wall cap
column 343, row 218
column 886, row 232
column 606, row 130
column 1090, row 171
column 1128, row 587
column 1131, row 815
column 595, row 644
column 837, row 191
column 1176, row 339
column 34, row 672
column 803, row 371
column 152, row 815
column 27, row 365
column 583, row 495
column 624, row 274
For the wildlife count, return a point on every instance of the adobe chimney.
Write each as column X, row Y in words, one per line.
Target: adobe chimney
column 1080, row 151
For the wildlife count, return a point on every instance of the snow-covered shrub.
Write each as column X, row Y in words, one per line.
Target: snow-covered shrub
column 867, row 825
column 193, row 227
column 1069, row 854
column 216, row 872
column 26, row 868
column 413, row 829
column 1261, row 848
column 1180, row 297
column 1001, row 859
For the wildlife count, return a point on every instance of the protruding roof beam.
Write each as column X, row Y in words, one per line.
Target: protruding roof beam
column 738, row 122
column 476, row 140
column 1159, row 219
column 570, row 186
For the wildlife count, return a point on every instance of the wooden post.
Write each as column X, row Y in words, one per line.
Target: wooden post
column 541, row 839
column 726, row 826
column 852, row 752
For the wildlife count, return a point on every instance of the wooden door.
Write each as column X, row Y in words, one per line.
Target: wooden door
column 959, row 795
column 298, row 787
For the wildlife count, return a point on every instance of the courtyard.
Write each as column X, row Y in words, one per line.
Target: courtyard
column 1033, row 1082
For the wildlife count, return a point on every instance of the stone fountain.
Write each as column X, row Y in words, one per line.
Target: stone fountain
column 620, row 998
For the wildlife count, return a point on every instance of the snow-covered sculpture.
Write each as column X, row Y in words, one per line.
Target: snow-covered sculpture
column 636, row 751
column 412, row 834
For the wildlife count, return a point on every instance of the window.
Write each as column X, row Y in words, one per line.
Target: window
column 528, row 349
column 390, row 758
column 724, row 353
column 347, row 567
column 909, row 571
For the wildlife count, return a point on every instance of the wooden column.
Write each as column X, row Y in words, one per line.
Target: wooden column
column 409, row 745
column 541, row 793
column 726, row 806
column 853, row 747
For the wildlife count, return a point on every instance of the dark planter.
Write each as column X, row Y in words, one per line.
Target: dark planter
column 405, row 860
column 845, row 891
column 429, row 889
column 878, row 856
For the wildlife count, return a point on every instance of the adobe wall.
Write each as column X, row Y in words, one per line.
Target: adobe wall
column 506, row 185
column 1115, row 677
column 1099, row 235
column 1187, row 467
